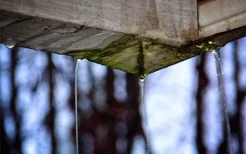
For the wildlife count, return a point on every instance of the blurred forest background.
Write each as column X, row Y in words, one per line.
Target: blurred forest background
column 183, row 105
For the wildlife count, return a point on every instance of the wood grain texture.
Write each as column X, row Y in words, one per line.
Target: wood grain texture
column 50, row 35
column 220, row 16
column 156, row 34
column 172, row 22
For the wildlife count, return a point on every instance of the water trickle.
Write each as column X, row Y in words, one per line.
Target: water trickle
column 9, row 43
column 223, row 99
column 76, row 106
column 145, row 117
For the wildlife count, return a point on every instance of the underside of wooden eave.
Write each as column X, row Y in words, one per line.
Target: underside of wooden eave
column 133, row 53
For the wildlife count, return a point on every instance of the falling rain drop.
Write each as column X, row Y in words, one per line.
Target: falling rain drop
column 76, row 105
column 223, row 99
column 9, row 43
column 141, row 98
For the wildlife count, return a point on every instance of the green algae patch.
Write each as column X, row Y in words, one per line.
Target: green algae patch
column 121, row 54
column 125, row 59
column 141, row 57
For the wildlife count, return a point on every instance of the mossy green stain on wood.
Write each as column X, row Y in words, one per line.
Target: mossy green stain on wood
column 121, row 54
column 141, row 57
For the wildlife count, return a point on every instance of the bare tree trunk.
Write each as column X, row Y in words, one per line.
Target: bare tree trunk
column 237, row 119
column 134, row 117
column 110, row 98
column 102, row 119
column 71, row 103
column 4, row 141
column 134, row 124
column 113, row 105
column 50, row 118
column 116, row 112
column 222, row 149
column 201, row 86
column 17, row 145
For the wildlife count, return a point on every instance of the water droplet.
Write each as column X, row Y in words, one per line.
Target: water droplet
column 9, row 43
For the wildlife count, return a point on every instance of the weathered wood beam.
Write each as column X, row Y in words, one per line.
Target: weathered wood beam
column 216, row 16
column 140, row 37
column 172, row 22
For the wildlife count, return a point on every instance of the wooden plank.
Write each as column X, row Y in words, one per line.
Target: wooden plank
column 169, row 38
column 171, row 22
column 52, row 36
column 220, row 15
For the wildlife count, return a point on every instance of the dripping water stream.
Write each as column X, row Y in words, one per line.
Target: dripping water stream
column 141, row 85
column 223, row 99
column 76, row 106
